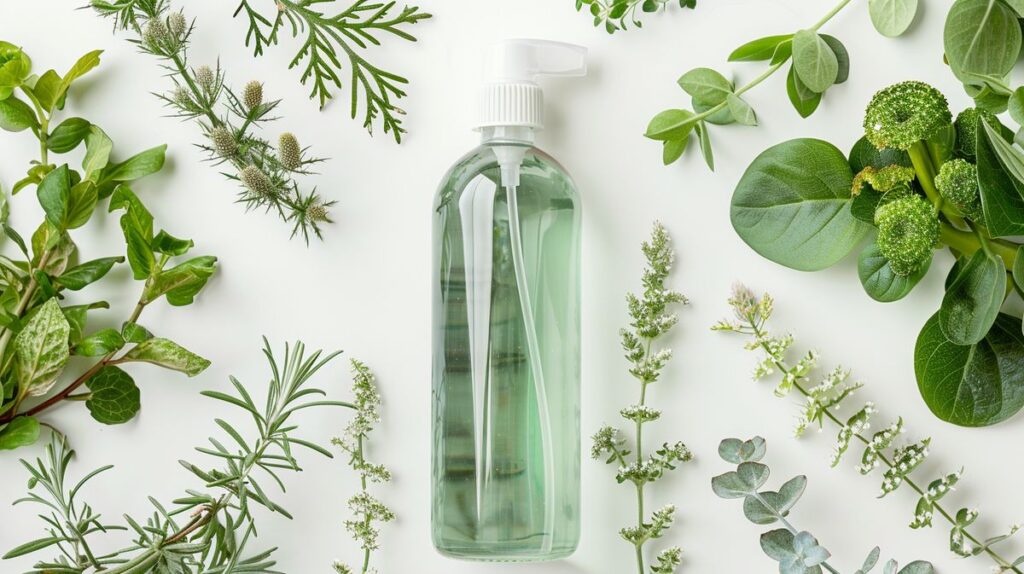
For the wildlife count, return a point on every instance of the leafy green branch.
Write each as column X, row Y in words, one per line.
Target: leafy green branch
column 207, row 529
column 228, row 119
column 329, row 38
column 880, row 450
column 651, row 319
column 796, row 551
column 617, row 15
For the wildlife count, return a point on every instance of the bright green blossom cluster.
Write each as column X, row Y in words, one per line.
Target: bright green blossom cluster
column 905, row 113
column 908, row 229
column 957, row 182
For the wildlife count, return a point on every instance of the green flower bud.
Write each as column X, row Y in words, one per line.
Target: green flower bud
column 967, row 129
column 256, row 181
column 15, row 66
column 177, row 24
column 252, row 96
column 205, row 78
column 885, row 179
column 224, row 143
column 289, row 152
column 908, row 229
column 957, row 181
column 156, row 34
column 903, row 114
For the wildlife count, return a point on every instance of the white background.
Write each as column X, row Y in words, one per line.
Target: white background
column 366, row 288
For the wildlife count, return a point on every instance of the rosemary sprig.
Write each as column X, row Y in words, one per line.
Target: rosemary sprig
column 751, row 318
column 228, row 119
column 329, row 38
column 650, row 321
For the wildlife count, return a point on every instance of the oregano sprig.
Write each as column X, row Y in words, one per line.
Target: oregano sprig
column 796, row 551
column 651, row 318
column 617, row 15
column 366, row 509
column 329, row 38
column 229, row 119
column 751, row 316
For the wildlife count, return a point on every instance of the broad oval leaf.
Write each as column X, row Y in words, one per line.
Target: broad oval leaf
column 66, row 136
column 113, row 397
column 973, row 299
column 16, row 115
column 670, row 125
column 138, row 166
column 79, row 276
column 976, row 385
column 792, row 205
column 100, row 343
column 741, row 110
column 892, row 17
column 918, row 567
column 41, row 349
column 22, row 431
column 167, row 354
column 706, row 86
column 737, row 451
column 804, row 101
column 1001, row 199
column 778, row 544
column 878, row 278
column 761, row 49
column 814, row 61
column 982, row 37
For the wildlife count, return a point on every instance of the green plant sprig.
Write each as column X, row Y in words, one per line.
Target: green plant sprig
column 818, row 62
column 228, row 119
column 39, row 330
column 751, row 317
column 651, row 319
column 348, row 34
column 206, row 530
column 796, row 551
column 366, row 509
column 983, row 42
column 617, row 15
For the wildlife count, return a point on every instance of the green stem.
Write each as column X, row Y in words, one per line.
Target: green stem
column 967, row 243
column 362, row 484
column 786, row 371
column 782, row 519
column 639, row 458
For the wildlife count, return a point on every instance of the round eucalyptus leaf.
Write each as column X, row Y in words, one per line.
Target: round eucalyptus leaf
column 892, row 17
column 778, row 544
column 972, row 385
column 792, row 205
column 973, row 299
column 879, row 280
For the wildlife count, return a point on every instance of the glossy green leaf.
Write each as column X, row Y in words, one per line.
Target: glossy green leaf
column 170, row 245
column 167, row 354
column 814, row 61
column 22, row 431
column 67, row 135
column 53, row 193
column 981, row 37
column 842, row 57
column 135, row 333
column 138, row 166
column 758, row 50
column 16, row 115
column 183, row 282
column 1001, row 199
column 892, row 17
column 804, row 101
column 41, row 349
column 974, row 385
column 879, row 280
column 113, row 397
column 137, row 226
column 97, row 152
column 706, row 85
column 792, row 205
column 79, row 69
column 973, row 299
column 87, row 273
column 100, row 343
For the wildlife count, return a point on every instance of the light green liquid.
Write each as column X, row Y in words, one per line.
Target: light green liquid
column 506, row 459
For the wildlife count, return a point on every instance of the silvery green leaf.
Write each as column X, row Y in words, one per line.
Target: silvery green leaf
column 736, row 451
column 890, row 567
column 778, row 544
column 892, row 17
column 706, row 85
column 814, row 61
column 791, row 492
column 741, row 110
column 167, row 354
column 41, row 349
column 730, row 485
column 918, row 567
column 756, row 511
column 753, row 474
column 870, row 561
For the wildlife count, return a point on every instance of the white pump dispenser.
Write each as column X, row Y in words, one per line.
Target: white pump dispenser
column 511, row 101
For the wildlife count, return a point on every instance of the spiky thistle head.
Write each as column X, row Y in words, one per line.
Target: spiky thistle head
column 252, row 95
column 317, row 212
column 224, row 143
column 957, row 181
column 905, row 113
column 205, row 77
column 289, row 152
column 177, row 25
column 967, row 125
column 908, row 229
column 155, row 34
column 257, row 182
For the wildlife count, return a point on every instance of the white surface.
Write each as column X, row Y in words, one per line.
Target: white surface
column 366, row 288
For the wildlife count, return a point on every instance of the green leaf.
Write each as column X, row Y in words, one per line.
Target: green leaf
column 100, row 343
column 738, row 451
column 137, row 166
column 79, row 69
column 1018, row 269
column 66, row 136
column 87, row 273
column 804, row 101
column 721, row 118
column 45, row 90
column 22, row 431
column 170, row 245
column 778, row 544
column 705, row 145
column 814, row 61
column 1001, row 199
column 672, row 150
column 741, row 110
column 670, row 125
column 842, row 57
column 975, row 385
column 97, row 153
column 1016, row 105
column 758, row 50
column 879, row 280
column 137, row 226
column 1009, row 156
column 81, row 204
column 183, row 282
column 167, row 354
column 135, row 333
column 791, row 205
column 113, row 397
column 892, row 17
column 981, row 37
column 34, row 546
column 16, row 115
column 973, row 300
column 41, row 349
column 53, row 193
column 918, row 567
column 706, row 85
column 780, row 502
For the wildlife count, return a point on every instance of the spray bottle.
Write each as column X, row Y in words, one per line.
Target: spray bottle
column 506, row 327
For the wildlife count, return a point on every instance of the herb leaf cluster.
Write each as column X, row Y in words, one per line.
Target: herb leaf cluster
column 43, row 317
column 918, row 181
column 796, row 551
column 346, row 34
column 651, row 319
column 816, row 62
column 615, row 15
column 208, row 529
column 229, row 119
column 882, row 449
column 983, row 42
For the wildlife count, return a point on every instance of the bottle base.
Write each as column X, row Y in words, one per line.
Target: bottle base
column 492, row 554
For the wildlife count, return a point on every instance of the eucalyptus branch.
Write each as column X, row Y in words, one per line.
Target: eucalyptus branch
column 216, row 535
column 228, row 119
column 616, row 15
column 796, row 551
column 751, row 317
column 651, row 319
column 329, row 38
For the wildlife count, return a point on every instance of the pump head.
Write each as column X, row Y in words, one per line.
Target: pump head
column 511, row 96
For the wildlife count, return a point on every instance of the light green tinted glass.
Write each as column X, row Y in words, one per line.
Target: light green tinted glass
column 506, row 364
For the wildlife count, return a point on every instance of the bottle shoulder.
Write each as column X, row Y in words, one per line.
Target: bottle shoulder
column 539, row 169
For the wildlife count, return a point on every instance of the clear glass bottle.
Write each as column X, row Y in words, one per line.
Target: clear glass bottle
column 506, row 364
